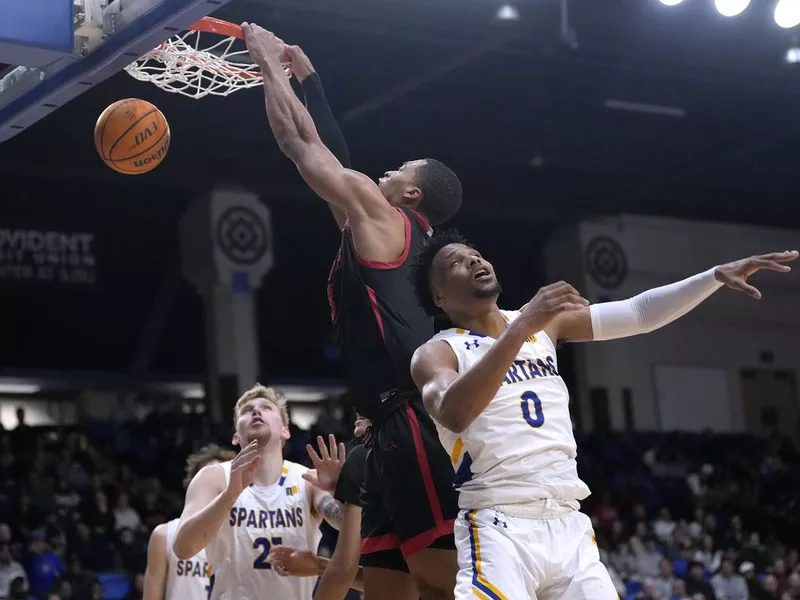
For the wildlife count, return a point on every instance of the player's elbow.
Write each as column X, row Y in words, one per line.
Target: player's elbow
column 449, row 414
column 182, row 547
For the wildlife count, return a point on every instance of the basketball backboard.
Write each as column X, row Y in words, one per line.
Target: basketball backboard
column 54, row 55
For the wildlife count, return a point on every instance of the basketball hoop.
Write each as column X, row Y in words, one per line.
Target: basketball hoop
column 192, row 67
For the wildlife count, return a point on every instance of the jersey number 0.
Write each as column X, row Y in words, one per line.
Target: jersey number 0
column 534, row 418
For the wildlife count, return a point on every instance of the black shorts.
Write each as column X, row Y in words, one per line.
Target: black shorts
column 408, row 499
column 348, row 491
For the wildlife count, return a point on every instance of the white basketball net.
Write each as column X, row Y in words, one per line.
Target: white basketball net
column 182, row 65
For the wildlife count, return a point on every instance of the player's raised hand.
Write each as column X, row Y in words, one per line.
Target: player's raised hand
column 548, row 303
column 289, row 562
column 300, row 64
column 735, row 274
column 263, row 46
column 327, row 464
column 243, row 469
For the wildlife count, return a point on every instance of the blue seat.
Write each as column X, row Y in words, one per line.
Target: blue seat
column 115, row 586
column 633, row 588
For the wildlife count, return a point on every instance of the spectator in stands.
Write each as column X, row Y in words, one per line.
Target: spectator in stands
column 44, row 565
column 125, row 516
column 769, row 588
column 664, row 526
column 711, row 559
column 729, row 585
column 9, row 570
column 663, row 582
column 696, row 583
column 647, row 555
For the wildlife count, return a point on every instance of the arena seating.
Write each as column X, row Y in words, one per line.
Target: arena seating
column 79, row 505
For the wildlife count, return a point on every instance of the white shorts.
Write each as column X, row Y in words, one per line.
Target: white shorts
column 513, row 558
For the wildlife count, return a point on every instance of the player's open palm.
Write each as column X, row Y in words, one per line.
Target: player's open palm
column 735, row 274
column 243, row 469
column 327, row 464
column 548, row 303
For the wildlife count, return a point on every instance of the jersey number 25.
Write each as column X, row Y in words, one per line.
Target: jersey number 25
column 261, row 560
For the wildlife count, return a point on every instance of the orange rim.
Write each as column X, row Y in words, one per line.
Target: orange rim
column 226, row 29
column 218, row 26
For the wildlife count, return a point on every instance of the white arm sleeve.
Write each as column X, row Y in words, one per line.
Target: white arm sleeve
column 651, row 309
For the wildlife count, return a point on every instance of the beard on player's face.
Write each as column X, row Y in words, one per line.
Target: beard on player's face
column 487, row 292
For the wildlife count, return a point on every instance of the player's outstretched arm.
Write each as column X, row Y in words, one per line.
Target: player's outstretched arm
column 297, row 137
column 155, row 574
column 320, row 110
column 456, row 399
column 660, row 306
column 209, row 501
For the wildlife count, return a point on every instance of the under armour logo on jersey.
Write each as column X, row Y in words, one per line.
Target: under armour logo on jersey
column 472, row 344
column 498, row 522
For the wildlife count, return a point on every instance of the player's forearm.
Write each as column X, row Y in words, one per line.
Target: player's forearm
column 327, row 127
column 337, row 579
column 331, row 510
column 197, row 531
column 154, row 585
column 289, row 120
column 652, row 309
column 470, row 393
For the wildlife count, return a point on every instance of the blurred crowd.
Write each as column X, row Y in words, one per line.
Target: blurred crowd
column 696, row 516
column 676, row 516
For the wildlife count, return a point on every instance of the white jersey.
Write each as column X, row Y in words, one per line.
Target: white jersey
column 278, row 514
column 186, row 579
column 521, row 447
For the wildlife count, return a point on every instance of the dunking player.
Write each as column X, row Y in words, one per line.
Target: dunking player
column 408, row 497
column 166, row 576
column 238, row 510
column 493, row 387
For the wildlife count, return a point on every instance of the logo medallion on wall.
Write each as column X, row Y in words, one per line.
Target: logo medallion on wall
column 606, row 262
column 242, row 235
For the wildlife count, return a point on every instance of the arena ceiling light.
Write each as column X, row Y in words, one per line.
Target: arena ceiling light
column 787, row 13
column 670, row 2
column 730, row 8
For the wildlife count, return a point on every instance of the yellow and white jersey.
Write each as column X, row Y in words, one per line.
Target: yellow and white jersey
column 521, row 447
column 262, row 517
column 186, row 579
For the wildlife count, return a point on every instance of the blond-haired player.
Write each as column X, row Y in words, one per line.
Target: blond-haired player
column 167, row 577
column 238, row 510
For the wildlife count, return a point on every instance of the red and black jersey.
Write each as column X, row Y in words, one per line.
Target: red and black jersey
column 377, row 319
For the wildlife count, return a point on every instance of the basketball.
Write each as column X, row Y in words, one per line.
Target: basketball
column 132, row 136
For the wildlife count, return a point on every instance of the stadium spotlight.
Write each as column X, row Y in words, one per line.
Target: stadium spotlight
column 507, row 12
column 787, row 13
column 730, row 8
column 670, row 2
